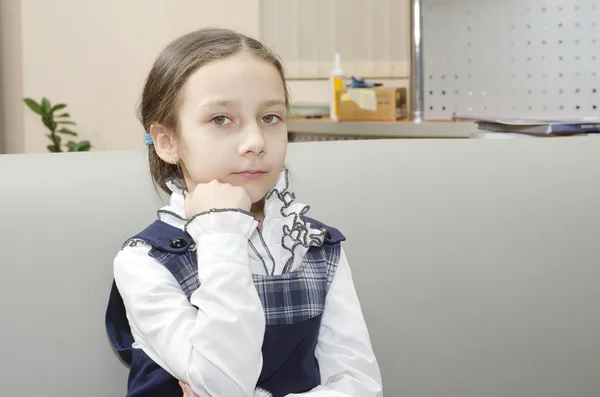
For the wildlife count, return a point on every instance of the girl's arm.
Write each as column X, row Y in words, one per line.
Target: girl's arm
column 216, row 348
column 346, row 359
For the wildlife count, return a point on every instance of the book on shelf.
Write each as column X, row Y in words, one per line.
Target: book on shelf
column 538, row 127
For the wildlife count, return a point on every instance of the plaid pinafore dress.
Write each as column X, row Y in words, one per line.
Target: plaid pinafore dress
column 293, row 304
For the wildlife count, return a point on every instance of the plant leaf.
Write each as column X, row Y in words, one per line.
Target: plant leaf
column 53, row 149
column 58, row 107
column 56, row 140
column 72, row 146
column 33, row 105
column 84, row 146
column 49, row 122
column 64, row 115
column 66, row 122
column 67, row 132
column 46, row 107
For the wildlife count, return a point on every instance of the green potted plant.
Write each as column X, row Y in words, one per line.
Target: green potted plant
column 55, row 123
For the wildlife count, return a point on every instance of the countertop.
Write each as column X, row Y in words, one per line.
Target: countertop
column 379, row 129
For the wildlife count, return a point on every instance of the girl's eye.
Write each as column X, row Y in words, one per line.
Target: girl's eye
column 271, row 119
column 221, row 120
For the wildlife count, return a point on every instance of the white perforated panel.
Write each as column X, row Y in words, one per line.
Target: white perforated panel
column 511, row 58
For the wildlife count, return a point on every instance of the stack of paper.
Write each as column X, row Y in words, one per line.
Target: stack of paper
column 518, row 128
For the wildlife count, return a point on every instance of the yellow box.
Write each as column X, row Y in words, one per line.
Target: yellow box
column 371, row 104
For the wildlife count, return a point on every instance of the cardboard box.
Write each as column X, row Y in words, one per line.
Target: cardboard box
column 371, row 104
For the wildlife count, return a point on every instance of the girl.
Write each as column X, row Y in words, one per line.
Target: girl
column 233, row 291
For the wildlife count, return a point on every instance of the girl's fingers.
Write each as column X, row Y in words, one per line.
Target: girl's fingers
column 187, row 390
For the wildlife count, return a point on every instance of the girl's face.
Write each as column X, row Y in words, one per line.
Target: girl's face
column 233, row 125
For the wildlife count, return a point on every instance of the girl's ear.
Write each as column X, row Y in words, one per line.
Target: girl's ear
column 165, row 143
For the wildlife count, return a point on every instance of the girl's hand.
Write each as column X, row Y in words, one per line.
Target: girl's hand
column 187, row 390
column 216, row 195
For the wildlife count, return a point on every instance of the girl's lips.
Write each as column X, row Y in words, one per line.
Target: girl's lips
column 250, row 175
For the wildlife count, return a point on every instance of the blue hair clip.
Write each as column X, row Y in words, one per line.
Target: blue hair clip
column 148, row 139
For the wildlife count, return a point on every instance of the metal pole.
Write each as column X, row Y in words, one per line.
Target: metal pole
column 416, row 81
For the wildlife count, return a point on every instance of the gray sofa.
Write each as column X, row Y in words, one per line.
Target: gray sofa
column 476, row 261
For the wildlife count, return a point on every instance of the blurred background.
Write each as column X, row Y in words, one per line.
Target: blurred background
column 463, row 57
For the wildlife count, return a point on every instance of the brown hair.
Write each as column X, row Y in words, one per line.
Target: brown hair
column 161, row 97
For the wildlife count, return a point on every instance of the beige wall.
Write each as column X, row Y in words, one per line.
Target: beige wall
column 94, row 56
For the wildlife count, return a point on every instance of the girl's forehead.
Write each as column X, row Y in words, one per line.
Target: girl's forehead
column 236, row 79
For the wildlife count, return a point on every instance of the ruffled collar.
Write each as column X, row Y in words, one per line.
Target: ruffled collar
column 286, row 227
column 286, row 234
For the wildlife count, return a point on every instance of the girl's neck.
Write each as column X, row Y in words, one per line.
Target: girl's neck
column 258, row 209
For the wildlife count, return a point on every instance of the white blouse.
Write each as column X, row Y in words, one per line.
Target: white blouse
column 216, row 348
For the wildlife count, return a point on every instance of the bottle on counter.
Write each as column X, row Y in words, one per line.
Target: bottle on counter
column 337, row 81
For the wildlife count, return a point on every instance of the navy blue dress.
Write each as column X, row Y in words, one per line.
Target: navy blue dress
column 293, row 304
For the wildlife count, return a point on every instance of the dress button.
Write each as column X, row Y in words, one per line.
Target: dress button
column 326, row 233
column 178, row 243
